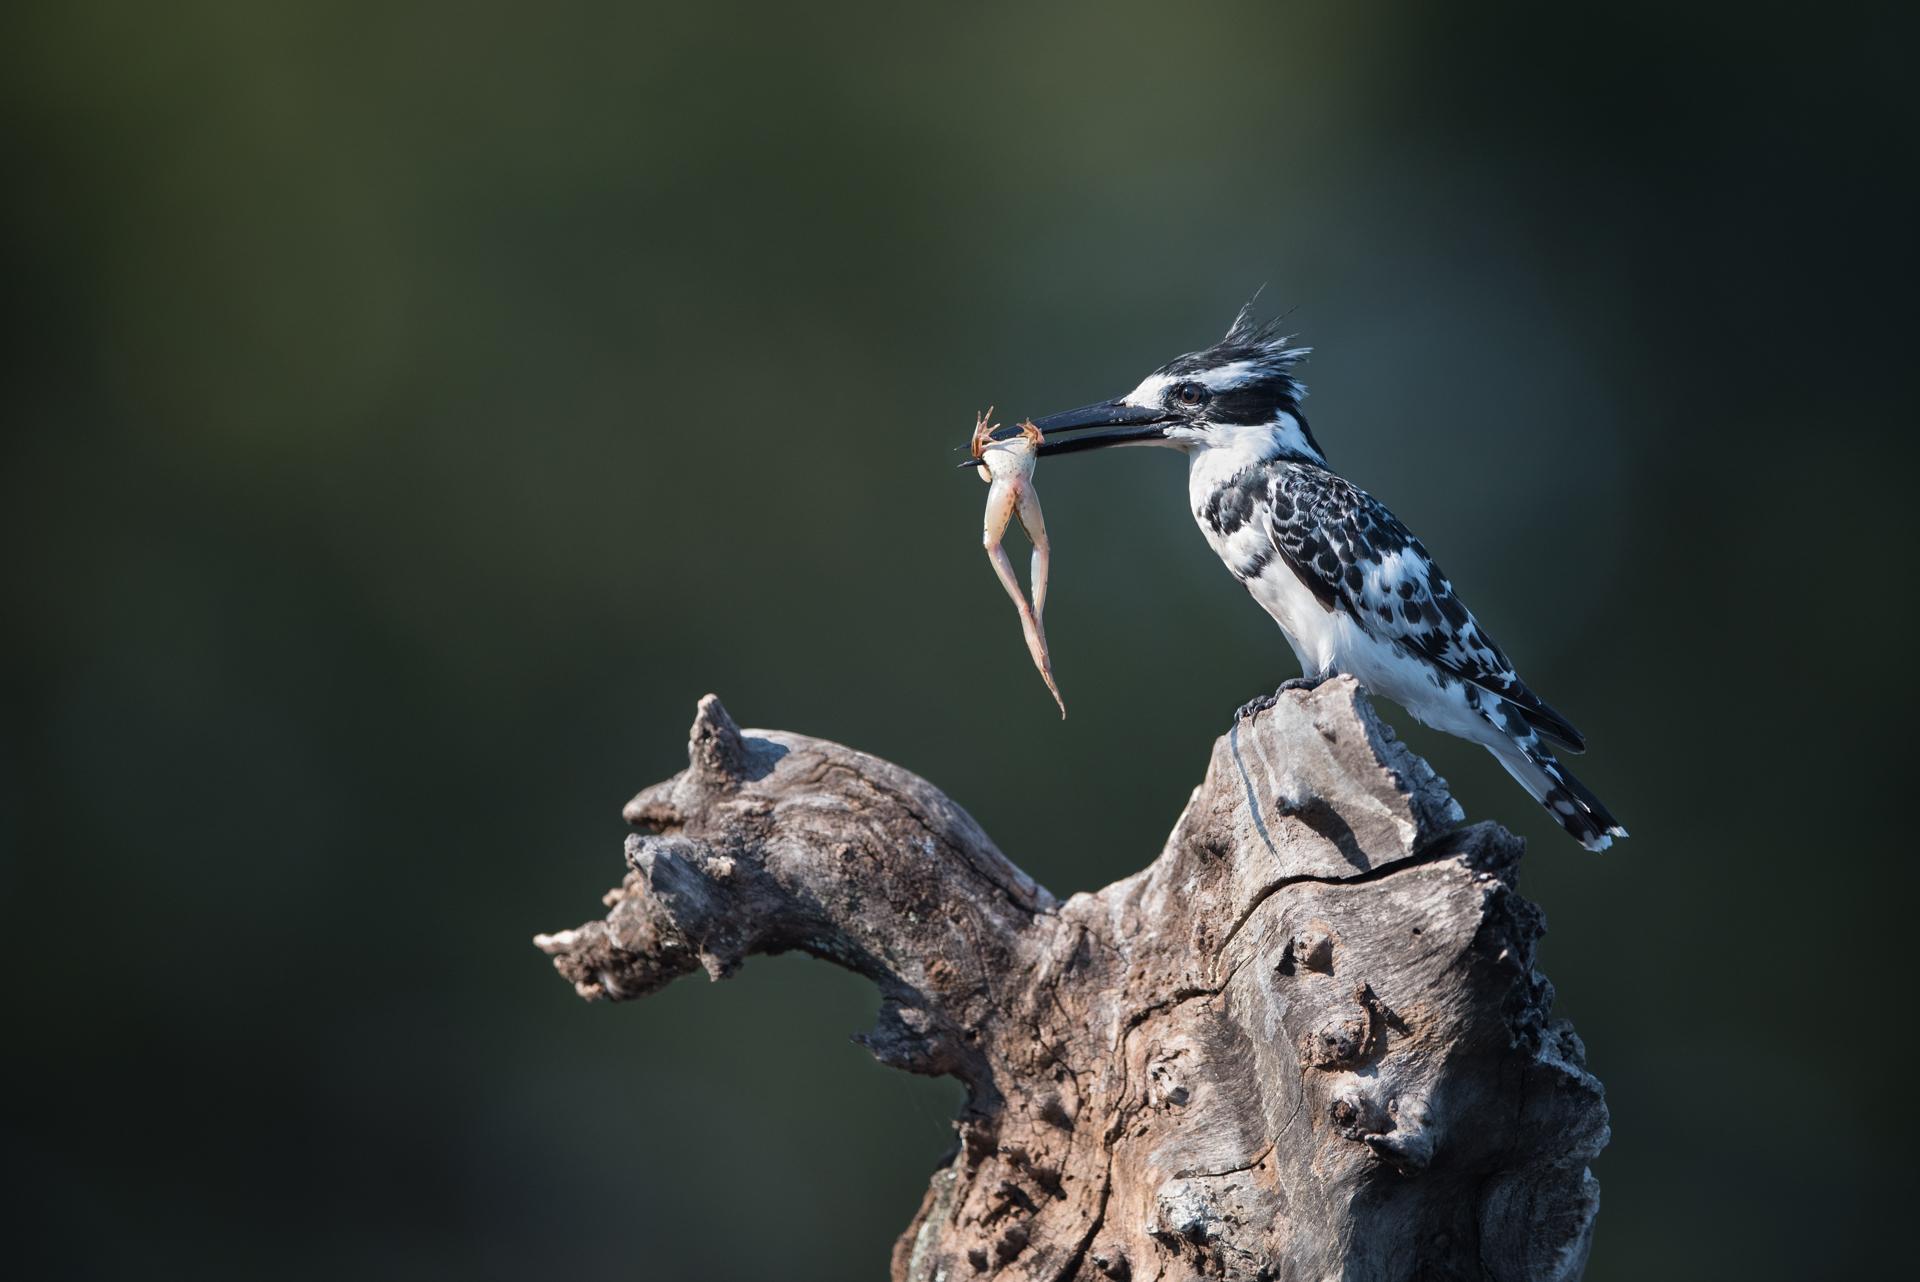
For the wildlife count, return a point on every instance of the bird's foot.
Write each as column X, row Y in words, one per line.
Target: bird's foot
column 1255, row 706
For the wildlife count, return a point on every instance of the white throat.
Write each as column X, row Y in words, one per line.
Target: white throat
column 1235, row 447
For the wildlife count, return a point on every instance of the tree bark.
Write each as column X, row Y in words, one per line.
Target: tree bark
column 1306, row 1042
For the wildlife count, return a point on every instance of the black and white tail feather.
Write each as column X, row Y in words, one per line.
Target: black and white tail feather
column 1571, row 803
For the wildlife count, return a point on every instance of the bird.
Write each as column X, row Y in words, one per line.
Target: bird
column 1352, row 589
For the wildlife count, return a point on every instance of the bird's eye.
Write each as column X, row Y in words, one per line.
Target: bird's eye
column 1190, row 395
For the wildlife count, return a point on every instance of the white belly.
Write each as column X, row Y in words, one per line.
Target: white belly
column 1314, row 632
column 1330, row 641
column 1326, row 640
column 1311, row 629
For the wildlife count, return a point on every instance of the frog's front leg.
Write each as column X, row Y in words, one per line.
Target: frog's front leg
column 983, row 429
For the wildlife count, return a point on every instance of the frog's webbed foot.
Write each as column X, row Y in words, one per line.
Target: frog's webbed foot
column 1032, row 433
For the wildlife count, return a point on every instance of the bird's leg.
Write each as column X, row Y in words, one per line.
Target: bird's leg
column 1305, row 682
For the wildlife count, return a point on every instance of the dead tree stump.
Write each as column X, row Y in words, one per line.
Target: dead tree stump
column 1306, row 1042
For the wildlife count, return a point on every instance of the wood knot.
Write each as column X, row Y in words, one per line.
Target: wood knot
column 1397, row 1130
column 716, row 750
column 1313, row 947
column 1352, row 1033
column 1337, row 1043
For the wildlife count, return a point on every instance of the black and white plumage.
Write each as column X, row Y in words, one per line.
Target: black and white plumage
column 1353, row 590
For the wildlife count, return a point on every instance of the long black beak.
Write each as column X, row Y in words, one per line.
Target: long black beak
column 1107, row 423
column 1101, row 425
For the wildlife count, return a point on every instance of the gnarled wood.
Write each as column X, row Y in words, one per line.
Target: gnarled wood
column 1307, row 1041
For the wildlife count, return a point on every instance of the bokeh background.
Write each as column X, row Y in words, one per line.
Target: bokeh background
column 412, row 409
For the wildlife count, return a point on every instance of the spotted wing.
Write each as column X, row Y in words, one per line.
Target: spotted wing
column 1354, row 555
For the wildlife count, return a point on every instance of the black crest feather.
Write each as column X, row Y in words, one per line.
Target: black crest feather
column 1255, row 342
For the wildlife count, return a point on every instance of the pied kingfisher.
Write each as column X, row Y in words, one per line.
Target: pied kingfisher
column 1351, row 588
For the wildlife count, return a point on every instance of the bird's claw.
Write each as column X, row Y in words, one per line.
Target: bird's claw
column 1253, row 707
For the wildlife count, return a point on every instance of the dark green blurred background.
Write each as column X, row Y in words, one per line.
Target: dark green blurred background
column 413, row 409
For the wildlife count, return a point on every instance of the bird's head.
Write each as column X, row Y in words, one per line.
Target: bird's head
column 1239, row 394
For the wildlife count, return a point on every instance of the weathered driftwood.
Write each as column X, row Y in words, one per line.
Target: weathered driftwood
column 1306, row 1042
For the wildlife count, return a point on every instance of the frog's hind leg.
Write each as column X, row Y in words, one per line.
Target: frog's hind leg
column 1030, row 627
column 1003, row 568
column 1027, row 508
